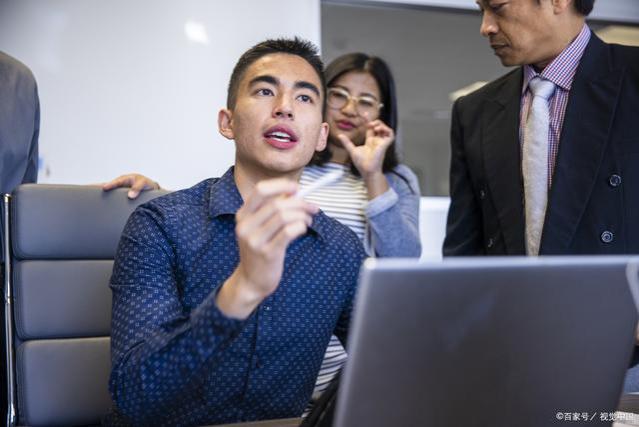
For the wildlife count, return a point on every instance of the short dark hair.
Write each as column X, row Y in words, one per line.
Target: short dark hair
column 376, row 67
column 296, row 46
column 584, row 7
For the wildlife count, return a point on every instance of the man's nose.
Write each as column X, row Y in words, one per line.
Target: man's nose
column 488, row 25
column 283, row 108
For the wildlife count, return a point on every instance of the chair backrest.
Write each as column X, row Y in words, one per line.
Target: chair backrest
column 60, row 248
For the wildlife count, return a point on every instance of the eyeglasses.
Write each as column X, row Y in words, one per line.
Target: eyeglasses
column 364, row 105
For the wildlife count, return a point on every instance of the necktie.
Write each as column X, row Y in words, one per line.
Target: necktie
column 535, row 161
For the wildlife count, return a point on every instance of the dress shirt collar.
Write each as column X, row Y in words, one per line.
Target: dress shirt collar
column 561, row 71
column 225, row 199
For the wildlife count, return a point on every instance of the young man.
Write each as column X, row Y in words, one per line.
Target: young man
column 225, row 295
column 557, row 174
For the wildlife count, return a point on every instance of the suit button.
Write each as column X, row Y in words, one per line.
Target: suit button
column 614, row 180
column 482, row 194
column 607, row 237
column 490, row 243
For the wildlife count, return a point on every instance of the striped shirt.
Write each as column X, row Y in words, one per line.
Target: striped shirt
column 561, row 71
column 345, row 201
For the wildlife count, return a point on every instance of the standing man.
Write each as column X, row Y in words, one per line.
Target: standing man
column 226, row 294
column 544, row 159
column 19, row 124
column 19, row 130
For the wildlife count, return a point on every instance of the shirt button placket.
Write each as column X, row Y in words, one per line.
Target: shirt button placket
column 256, row 362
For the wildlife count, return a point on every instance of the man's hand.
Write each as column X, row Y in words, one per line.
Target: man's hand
column 270, row 219
column 135, row 181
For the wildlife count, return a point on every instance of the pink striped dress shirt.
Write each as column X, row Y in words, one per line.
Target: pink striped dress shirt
column 561, row 71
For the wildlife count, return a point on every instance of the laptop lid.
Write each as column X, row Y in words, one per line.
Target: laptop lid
column 478, row 342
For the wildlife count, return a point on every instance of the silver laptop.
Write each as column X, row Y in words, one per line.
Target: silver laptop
column 488, row 342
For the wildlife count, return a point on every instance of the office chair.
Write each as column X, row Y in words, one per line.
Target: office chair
column 59, row 245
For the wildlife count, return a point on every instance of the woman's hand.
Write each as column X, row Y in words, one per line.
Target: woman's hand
column 368, row 158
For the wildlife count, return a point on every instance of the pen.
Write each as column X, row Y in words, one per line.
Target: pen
column 323, row 181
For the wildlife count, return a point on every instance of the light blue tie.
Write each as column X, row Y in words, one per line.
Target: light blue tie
column 535, row 161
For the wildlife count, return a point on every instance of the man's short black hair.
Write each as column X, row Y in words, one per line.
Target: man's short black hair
column 584, row 7
column 296, row 46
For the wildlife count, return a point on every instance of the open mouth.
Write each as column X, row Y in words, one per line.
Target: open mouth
column 280, row 137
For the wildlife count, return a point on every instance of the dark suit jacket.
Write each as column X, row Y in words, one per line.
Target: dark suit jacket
column 19, row 124
column 593, row 204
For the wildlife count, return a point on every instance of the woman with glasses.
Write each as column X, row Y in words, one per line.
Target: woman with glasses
column 376, row 197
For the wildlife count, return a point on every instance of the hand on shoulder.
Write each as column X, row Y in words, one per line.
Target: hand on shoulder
column 135, row 181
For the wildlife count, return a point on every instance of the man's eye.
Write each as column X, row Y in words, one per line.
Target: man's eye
column 496, row 7
column 305, row 98
column 264, row 92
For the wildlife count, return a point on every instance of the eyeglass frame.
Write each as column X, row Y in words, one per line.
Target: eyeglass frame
column 350, row 98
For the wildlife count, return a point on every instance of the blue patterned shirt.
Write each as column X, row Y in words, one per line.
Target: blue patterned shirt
column 176, row 359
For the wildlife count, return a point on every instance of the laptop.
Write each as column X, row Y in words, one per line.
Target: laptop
column 489, row 342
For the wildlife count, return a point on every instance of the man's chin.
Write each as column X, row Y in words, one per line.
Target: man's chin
column 287, row 168
column 509, row 61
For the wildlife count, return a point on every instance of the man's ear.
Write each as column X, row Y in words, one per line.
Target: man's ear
column 225, row 123
column 560, row 6
column 323, row 137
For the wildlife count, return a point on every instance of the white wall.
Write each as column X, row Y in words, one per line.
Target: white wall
column 432, row 225
column 123, row 88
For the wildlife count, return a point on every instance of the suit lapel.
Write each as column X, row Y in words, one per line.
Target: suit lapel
column 501, row 153
column 584, row 137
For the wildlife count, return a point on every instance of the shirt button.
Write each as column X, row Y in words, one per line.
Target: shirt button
column 490, row 243
column 482, row 194
column 267, row 307
column 607, row 237
column 614, row 180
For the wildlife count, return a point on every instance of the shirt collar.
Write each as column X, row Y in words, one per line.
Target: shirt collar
column 225, row 199
column 320, row 224
column 561, row 71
